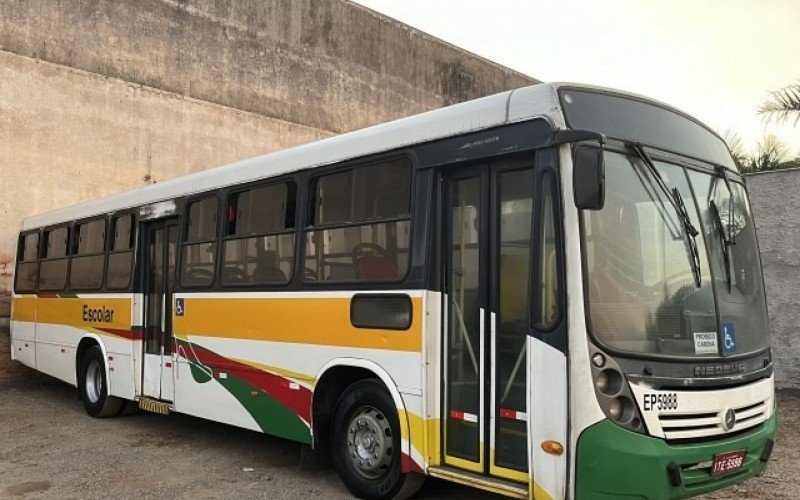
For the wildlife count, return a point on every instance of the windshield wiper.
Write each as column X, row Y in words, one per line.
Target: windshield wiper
column 726, row 238
column 725, row 242
column 676, row 200
column 731, row 237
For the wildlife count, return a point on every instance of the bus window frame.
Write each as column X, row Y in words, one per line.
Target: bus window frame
column 538, row 227
column 20, row 239
column 308, row 207
column 73, row 253
column 183, row 243
column 226, row 195
column 68, row 257
column 133, row 249
column 548, row 164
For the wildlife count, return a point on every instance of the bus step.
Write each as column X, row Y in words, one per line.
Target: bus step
column 486, row 483
column 154, row 406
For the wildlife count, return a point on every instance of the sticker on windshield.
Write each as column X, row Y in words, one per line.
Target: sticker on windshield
column 728, row 338
column 705, row 342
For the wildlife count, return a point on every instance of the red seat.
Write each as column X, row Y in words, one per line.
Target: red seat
column 376, row 268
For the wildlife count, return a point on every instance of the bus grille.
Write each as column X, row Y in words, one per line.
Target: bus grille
column 684, row 415
column 698, row 425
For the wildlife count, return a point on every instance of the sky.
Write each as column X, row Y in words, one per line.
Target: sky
column 714, row 59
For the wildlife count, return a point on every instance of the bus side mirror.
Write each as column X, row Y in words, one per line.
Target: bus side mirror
column 588, row 178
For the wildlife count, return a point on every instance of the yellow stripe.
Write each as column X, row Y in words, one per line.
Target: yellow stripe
column 70, row 312
column 324, row 321
column 482, row 482
column 306, row 379
column 466, row 464
column 539, row 493
column 505, row 472
column 24, row 308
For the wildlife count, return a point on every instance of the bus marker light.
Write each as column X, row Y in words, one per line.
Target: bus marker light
column 254, row 394
column 552, row 447
column 599, row 360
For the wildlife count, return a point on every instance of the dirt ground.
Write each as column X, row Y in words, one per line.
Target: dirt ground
column 49, row 448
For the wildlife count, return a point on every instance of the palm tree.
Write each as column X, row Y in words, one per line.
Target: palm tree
column 783, row 105
column 736, row 147
column 770, row 154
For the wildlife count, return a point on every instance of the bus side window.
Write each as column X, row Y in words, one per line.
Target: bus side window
column 360, row 221
column 27, row 262
column 88, row 255
column 199, row 246
column 120, row 255
column 53, row 268
column 258, row 245
column 547, row 304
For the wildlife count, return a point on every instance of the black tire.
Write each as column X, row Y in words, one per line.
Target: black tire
column 368, row 402
column 93, row 386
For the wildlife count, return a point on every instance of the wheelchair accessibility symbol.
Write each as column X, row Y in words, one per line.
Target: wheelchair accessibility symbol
column 179, row 307
column 728, row 338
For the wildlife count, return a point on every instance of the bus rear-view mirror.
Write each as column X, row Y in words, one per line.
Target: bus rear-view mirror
column 589, row 178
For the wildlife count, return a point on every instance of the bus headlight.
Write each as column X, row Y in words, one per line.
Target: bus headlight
column 622, row 410
column 601, row 382
column 615, row 409
column 613, row 393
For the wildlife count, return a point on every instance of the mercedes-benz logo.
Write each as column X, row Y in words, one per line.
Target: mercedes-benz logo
column 729, row 419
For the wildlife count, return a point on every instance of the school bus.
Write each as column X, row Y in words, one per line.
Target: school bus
column 553, row 292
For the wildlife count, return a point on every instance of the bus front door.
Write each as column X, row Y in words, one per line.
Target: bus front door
column 159, row 259
column 487, row 247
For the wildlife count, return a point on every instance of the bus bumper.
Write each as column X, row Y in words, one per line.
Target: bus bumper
column 613, row 462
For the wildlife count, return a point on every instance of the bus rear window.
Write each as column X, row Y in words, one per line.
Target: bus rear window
column 27, row 262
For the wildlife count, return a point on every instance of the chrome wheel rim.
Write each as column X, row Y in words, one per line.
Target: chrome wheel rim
column 94, row 381
column 369, row 442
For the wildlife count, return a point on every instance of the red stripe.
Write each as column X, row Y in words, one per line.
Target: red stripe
column 298, row 400
column 456, row 415
column 407, row 464
column 119, row 332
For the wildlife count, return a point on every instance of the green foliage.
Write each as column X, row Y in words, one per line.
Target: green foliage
column 736, row 146
column 770, row 154
column 783, row 105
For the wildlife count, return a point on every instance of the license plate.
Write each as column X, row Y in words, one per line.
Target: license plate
column 728, row 462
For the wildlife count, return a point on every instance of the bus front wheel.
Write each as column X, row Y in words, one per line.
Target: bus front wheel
column 93, row 386
column 366, row 444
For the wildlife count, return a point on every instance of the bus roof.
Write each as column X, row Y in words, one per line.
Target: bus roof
column 513, row 106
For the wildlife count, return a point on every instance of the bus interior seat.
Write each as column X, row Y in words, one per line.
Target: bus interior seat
column 268, row 269
column 372, row 263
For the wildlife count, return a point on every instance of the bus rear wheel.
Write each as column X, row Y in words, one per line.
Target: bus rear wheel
column 366, row 444
column 93, row 386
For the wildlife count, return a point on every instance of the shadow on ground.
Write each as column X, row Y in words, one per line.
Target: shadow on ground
column 49, row 448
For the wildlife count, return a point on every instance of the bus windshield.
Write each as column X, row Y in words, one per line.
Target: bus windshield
column 643, row 294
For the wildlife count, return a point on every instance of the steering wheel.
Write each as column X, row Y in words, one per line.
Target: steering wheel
column 199, row 274
column 367, row 249
column 235, row 275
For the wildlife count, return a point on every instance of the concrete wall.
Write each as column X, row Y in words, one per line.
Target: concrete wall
column 100, row 96
column 775, row 198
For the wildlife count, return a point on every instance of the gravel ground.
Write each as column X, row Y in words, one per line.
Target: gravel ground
column 49, row 448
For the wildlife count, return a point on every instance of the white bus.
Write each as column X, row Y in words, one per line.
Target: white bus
column 553, row 292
